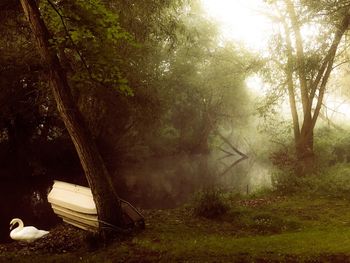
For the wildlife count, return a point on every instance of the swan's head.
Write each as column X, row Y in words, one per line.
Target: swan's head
column 14, row 222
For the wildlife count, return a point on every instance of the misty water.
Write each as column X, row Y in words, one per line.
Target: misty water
column 171, row 181
column 156, row 183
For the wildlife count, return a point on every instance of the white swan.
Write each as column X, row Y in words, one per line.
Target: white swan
column 28, row 233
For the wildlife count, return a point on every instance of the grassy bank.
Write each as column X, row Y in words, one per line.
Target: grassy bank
column 266, row 229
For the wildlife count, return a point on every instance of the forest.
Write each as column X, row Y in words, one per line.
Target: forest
column 229, row 153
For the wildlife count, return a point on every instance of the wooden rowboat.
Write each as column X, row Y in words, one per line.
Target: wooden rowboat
column 75, row 205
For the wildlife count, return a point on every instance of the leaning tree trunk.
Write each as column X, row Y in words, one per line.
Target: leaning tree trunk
column 105, row 197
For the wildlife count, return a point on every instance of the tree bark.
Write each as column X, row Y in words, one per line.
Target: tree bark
column 305, row 153
column 100, row 182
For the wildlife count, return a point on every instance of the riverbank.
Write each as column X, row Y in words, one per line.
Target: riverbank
column 265, row 229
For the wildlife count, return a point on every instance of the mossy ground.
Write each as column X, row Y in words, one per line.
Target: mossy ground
column 257, row 229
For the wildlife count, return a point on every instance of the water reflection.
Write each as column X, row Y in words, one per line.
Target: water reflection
column 171, row 181
column 165, row 182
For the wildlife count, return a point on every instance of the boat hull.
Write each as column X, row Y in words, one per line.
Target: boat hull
column 75, row 205
column 74, row 197
column 86, row 219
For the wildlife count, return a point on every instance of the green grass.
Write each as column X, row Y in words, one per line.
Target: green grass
column 298, row 228
column 308, row 244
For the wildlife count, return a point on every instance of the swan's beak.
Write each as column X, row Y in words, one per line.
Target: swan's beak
column 11, row 226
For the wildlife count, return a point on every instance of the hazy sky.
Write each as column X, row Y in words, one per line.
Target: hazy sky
column 241, row 20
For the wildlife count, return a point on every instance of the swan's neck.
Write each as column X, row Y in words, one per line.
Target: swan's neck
column 20, row 224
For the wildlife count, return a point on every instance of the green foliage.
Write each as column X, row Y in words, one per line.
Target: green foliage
column 88, row 35
column 283, row 156
column 335, row 182
column 332, row 146
column 332, row 182
column 210, row 203
column 286, row 181
column 206, row 89
column 184, row 84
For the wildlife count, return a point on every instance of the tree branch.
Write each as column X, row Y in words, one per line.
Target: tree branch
column 290, row 84
column 331, row 54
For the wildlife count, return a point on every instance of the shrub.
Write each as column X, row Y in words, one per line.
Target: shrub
column 332, row 147
column 333, row 181
column 285, row 182
column 283, row 158
column 210, row 203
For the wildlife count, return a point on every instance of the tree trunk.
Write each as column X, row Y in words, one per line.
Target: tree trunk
column 100, row 182
column 305, row 153
column 290, row 83
column 300, row 60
